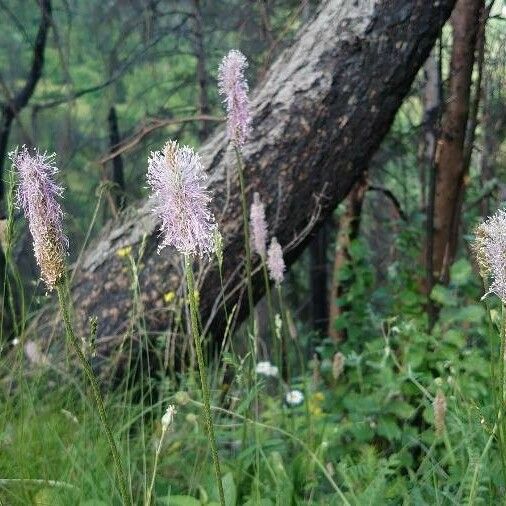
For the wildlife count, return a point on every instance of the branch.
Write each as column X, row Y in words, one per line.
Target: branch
column 152, row 125
column 395, row 201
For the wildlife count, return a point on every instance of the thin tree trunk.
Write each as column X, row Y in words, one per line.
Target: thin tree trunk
column 202, row 76
column 351, row 66
column 432, row 102
column 450, row 168
column 471, row 127
column 318, row 279
column 14, row 104
column 348, row 230
column 431, row 98
column 118, row 177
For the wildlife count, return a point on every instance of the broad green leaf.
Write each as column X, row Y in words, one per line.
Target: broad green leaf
column 461, row 272
column 444, row 296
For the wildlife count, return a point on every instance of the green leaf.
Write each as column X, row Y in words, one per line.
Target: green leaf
column 388, row 428
column 444, row 296
column 461, row 272
column 229, row 489
column 179, row 500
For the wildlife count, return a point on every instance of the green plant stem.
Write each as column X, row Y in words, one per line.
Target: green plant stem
column 502, row 350
column 63, row 299
column 251, row 303
column 285, row 370
column 155, row 466
column 474, row 483
column 203, row 377
column 294, row 438
column 247, row 248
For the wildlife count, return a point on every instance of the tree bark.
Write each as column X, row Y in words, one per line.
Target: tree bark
column 319, row 279
column 318, row 116
column 118, row 176
column 450, row 169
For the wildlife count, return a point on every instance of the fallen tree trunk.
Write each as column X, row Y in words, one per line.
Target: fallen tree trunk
column 318, row 116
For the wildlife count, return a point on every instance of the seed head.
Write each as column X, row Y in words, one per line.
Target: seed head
column 168, row 417
column 490, row 251
column 233, row 87
column 37, row 194
column 275, row 262
column 338, row 365
column 180, row 200
column 439, row 405
column 258, row 226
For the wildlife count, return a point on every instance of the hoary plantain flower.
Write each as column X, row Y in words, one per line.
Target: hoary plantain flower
column 180, row 200
column 258, row 226
column 275, row 262
column 233, row 87
column 37, row 194
column 490, row 250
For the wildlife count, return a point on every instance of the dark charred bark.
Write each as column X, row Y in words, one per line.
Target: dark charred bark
column 118, row 177
column 318, row 116
column 13, row 105
column 318, row 277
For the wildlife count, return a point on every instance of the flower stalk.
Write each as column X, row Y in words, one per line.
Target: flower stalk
column 190, row 283
column 75, row 344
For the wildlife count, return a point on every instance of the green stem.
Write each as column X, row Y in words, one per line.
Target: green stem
column 155, row 466
column 203, row 377
column 502, row 427
column 247, row 248
column 63, row 299
column 285, row 371
column 474, row 483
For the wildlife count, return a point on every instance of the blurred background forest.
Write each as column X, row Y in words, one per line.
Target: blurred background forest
column 386, row 283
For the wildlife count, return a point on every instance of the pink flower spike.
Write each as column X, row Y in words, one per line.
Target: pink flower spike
column 37, row 195
column 275, row 262
column 490, row 247
column 258, row 226
column 233, row 86
column 180, row 200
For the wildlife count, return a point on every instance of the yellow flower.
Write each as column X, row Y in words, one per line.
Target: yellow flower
column 124, row 252
column 169, row 297
column 314, row 404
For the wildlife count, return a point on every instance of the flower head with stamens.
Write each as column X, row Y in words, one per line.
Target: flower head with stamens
column 490, row 250
column 258, row 226
column 37, row 194
column 275, row 262
column 180, row 200
column 233, row 86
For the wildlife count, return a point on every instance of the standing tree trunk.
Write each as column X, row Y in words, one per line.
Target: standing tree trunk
column 450, row 168
column 318, row 116
column 432, row 102
column 202, row 77
column 318, row 279
column 118, row 177
column 12, row 106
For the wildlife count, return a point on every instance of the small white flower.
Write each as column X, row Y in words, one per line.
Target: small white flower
column 168, row 417
column 294, row 398
column 15, row 341
column 267, row 369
